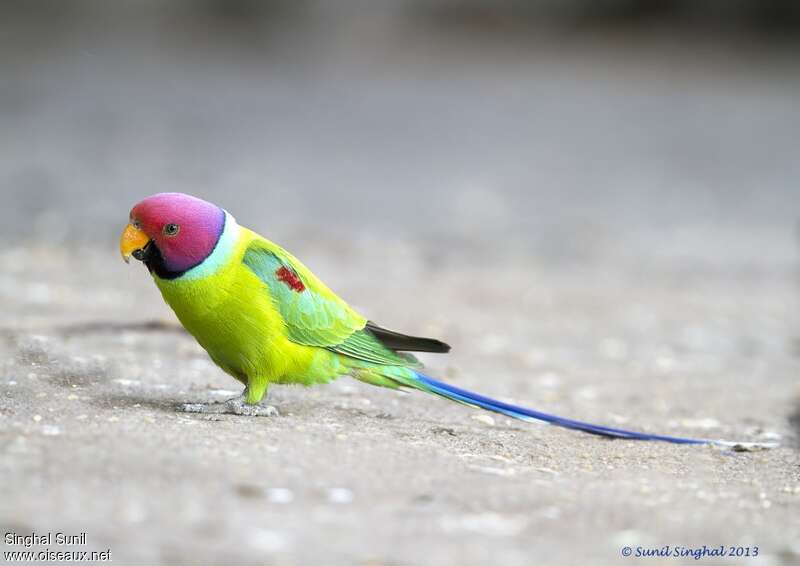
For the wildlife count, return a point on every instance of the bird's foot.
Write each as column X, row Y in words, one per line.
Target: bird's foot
column 235, row 406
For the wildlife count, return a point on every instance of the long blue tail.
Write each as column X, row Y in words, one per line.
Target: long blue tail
column 474, row 399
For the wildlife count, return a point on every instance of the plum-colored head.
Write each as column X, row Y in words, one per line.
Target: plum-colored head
column 172, row 232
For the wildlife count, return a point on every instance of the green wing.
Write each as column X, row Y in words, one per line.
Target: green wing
column 313, row 314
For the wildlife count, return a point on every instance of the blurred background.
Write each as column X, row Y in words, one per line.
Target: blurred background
column 595, row 202
column 565, row 129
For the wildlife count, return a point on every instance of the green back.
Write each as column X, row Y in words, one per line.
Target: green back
column 315, row 315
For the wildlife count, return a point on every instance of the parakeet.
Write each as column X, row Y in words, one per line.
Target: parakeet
column 265, row 318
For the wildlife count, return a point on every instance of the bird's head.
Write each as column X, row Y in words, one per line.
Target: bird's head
column 172, row 232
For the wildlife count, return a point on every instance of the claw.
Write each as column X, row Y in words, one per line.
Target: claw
column 235, row 406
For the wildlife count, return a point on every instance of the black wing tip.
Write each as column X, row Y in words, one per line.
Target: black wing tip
column 444, row 348
column 403, row 342
column 428, row 345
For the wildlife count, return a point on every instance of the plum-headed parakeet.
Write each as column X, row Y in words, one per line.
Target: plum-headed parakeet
column 264, row 318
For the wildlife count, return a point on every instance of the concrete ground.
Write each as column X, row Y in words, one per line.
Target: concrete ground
column 599, row 234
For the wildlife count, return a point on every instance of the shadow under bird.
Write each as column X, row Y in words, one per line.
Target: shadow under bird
column 265, row 318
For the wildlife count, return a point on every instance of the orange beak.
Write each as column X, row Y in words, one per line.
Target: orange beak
column 131, row 241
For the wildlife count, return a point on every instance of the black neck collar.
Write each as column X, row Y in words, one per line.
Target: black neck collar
column 154, row 261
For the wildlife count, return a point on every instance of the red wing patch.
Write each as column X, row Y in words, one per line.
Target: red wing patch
column 290, row 278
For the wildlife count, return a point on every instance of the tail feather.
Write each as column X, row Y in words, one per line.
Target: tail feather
column 454, row 393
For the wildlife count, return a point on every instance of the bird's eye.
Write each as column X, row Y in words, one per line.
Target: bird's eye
column 171, row 229
column 136, row 224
